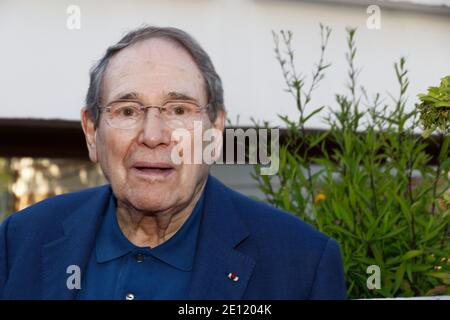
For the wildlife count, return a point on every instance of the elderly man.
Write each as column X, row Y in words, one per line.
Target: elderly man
column 160, row 230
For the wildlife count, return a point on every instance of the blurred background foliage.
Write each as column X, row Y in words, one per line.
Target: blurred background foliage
column 375, row 192
column 25, row 180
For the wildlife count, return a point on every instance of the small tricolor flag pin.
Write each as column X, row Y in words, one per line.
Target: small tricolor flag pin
column 233, row 276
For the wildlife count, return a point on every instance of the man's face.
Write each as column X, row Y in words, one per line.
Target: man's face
column 152, row 71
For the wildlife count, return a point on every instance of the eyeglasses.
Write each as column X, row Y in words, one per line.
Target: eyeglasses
column 128, row 114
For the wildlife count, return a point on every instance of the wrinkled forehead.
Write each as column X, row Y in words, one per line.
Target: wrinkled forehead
column 152, row 68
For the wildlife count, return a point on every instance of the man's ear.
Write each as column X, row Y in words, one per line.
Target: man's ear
column 89, row 133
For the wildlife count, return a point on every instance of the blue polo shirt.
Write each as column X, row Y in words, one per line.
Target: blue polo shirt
column 117, row 269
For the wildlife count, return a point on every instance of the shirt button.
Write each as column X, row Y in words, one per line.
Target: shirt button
column 140, row 257
column 129, row 296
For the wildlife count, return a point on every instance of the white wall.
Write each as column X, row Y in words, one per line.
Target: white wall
column 44, row 66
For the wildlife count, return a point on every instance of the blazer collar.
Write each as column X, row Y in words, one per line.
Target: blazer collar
column 217, row 257
column 74, row 247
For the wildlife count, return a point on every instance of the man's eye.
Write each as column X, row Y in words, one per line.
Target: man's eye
column 126, row 111
column 179, row 110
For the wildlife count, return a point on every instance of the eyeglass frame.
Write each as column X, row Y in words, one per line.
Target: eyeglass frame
column 145, row 108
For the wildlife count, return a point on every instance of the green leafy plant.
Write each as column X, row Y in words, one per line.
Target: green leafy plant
column 435, row 108
column 6, row 178
column 5, row 175
column 375, row 191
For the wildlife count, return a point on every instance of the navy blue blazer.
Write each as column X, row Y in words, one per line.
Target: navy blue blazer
column 274, row 254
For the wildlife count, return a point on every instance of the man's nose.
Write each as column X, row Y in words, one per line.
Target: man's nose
column 154, row 131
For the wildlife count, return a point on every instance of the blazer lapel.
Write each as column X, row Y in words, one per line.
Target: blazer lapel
column 74, row 247
column 217, row 261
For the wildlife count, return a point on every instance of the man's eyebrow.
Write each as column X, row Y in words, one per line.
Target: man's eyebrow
column 128, row 96
column 180, row 96
column 172, row 95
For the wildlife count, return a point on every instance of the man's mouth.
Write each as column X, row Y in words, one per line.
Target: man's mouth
column 153, row 168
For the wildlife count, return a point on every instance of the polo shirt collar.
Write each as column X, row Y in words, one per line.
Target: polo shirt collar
column 178, row 251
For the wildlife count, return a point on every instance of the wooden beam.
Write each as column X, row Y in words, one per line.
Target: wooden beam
column 65, row 139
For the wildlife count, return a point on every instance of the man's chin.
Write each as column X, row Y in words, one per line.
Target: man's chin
column 149, row 199
column 147, row 205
